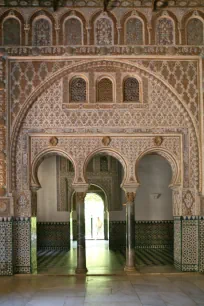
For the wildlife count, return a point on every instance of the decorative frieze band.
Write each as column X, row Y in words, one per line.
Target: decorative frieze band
column 88, row 50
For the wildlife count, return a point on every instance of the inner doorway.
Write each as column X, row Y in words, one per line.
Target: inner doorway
column 55, row 256
column 154, row 216
column 94, row 216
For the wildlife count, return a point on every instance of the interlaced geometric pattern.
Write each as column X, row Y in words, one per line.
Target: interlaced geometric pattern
column 6, row 256
column 134, row 32
column 104, row 32
column 77, row 90
column 176, row 73
column 189, row 245
column 182, row 76
column 131, row 90
column 42, row 32
column 53, row 235
column 201, row 246
column 11, row 32
column 73, row 32
column 165, row 31
column 22, row 248
column 105, row 90
column 103, row 164
column 25, row 76
column 195, row 32
column 177, row 242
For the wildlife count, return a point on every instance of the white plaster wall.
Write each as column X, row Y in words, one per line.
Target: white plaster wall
column 155, row 174
column 47, row 195
column 117, row 215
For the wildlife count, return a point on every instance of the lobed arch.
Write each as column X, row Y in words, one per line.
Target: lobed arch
column 34, row 182
column 184, row 23
column 16, row 15
column 42, row 14
column 68, row 15
column 170, row 158
column 169, row 15
column 93, row 19
column 134, row 14
column 63, row 72
column 111, row 152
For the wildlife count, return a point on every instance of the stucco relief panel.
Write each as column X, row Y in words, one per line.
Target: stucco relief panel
column 126, row 149
column 163, row 114
column 181, row 75
column 26, row 76
column 47, row 113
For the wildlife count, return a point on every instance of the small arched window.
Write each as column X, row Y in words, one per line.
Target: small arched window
column 77, row 90
column 165, row 31
column 195, row 32
column 11, row 32
column 42, row 32
column 73, row 32
column 104, row 31
column 134, row 32
column 105, row 90
column 131, row 90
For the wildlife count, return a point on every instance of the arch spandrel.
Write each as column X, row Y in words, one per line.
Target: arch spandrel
column 140, row 68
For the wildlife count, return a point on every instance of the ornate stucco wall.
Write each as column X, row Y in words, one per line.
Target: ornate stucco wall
column 38, row 116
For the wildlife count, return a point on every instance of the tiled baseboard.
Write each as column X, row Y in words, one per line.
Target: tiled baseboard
column 148, row 234
column 53, row 235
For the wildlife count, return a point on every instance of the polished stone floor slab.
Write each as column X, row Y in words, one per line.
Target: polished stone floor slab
column 101, row 260
column 138, row 290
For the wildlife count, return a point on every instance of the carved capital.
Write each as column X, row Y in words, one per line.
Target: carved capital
column 80, row 196
column 130, row 196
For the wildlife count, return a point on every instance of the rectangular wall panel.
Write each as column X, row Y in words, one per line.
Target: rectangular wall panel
column 22, row 245
column 6, row 248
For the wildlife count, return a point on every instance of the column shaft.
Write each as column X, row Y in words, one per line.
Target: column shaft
column 130, row 233
column 81, row 243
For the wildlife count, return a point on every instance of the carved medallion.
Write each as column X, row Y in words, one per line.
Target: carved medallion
column 3, row 206
column 158, row 140
column 106, row 140
column 53, row 141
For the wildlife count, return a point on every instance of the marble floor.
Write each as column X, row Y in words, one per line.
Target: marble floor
column 125, row 290
column 101, row 260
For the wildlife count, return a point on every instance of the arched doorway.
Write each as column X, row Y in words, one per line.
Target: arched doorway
column 154, row 215
column 53, row 215
column 94, row 216
column 104, row 173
